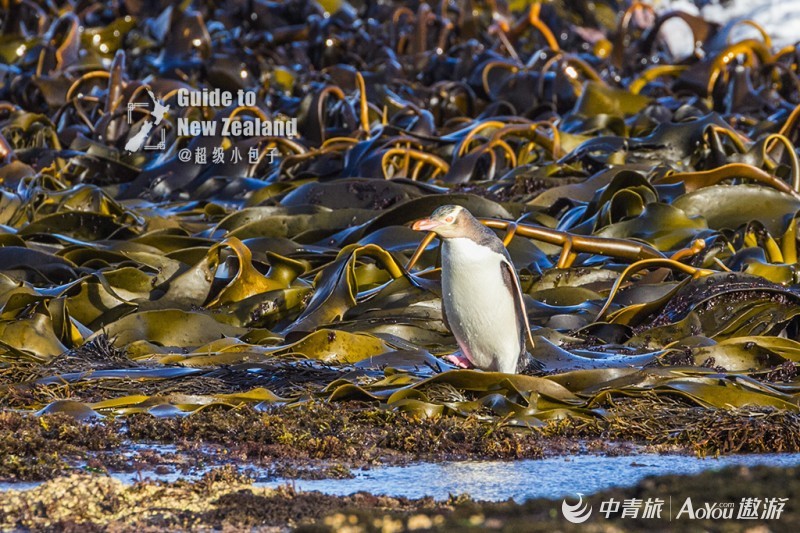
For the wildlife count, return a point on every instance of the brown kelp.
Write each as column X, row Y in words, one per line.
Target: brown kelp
column 649, row 202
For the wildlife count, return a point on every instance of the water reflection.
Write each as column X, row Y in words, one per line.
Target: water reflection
column 522, row 480
column 490, row 480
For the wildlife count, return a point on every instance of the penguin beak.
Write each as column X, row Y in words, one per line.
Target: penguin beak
column 426, row 224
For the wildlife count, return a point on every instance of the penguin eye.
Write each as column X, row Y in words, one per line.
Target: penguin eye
column 449, row 219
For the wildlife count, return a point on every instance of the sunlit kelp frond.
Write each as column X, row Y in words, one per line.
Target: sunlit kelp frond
column 649, row 203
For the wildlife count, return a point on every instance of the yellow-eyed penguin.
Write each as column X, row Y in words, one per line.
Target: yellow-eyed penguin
column 481, row 295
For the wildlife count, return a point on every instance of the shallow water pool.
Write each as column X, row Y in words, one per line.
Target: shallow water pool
column 520, row 480
column 525, row 479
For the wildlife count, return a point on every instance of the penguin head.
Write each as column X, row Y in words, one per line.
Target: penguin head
column 449, row 221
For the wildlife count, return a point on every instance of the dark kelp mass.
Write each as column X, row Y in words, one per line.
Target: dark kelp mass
column 650, row 204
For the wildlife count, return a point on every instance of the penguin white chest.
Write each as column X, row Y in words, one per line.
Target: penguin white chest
column 480, row 308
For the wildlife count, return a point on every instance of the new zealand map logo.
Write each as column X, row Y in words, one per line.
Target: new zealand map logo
column 159, row 111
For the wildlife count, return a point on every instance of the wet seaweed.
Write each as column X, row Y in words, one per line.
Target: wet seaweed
column 649, row 203
column 224, row 501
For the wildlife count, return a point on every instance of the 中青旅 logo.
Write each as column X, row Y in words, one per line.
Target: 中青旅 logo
column 578, row 513
column 749, row 508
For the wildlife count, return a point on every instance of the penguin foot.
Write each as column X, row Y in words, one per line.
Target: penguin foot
column 527, row 364
column 458, row 360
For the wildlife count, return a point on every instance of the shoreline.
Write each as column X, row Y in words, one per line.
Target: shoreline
column 330, row 439
column 224, row 499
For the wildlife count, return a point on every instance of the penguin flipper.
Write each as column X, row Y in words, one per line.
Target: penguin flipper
column 512, row 283
column 444, row 317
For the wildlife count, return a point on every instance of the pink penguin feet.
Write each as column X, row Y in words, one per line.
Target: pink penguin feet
column 458, row 360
